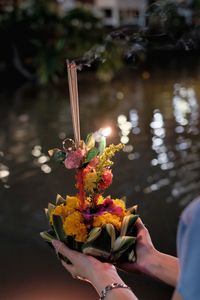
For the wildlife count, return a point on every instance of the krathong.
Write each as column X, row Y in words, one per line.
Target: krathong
column 90, row 221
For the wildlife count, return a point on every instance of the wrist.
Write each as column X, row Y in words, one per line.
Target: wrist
column 111, row 287
column 164, row 267
column 104, row 277
column 151, row 266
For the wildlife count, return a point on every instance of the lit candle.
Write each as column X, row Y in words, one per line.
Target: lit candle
column 103, row 133
column 106, row 131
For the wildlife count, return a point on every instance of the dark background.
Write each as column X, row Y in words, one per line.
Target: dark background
column 143, row 82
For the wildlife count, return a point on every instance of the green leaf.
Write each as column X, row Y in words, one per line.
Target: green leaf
column 46, row 213
column 111, row 231
column 127, row 255
column 94, row 233
column 132, row 230
column 91, row 154
column 124, row 199
column 49, row 209
column 102, row 241
column 133, row 209
column 58, row 228
column 47, row 236
column 57, row 154
column 102, row 145
column 60, row 200
column 95, row 252
column 124, row 226
column 127, row 224
column 131, row 256
column 90, row 141
column 122, row 243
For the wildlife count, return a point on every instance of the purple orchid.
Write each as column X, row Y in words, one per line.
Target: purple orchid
column 107, row 206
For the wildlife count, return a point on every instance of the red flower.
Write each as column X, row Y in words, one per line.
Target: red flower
column 106, row 179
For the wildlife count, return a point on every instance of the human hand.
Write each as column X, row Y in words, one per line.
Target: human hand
column 150, row 261
column 145, row 251
column 86, row 267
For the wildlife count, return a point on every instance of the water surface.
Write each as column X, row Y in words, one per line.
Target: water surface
column 155, row 113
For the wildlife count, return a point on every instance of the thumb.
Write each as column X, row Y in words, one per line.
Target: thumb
column 140, row 225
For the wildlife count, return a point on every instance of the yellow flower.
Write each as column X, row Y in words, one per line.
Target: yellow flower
column 108, row 153
column 107, row 218
column 72, row 202
column 101, row 200
column 63, row 210
column 59, row 210
column 74, row 226
column 90, row 181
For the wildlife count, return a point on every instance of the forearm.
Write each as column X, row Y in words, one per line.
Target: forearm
column 163, row 267
column 103, row 279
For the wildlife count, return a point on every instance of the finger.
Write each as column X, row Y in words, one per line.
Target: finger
column 72, row 271
column 139, row 225
column 69, row 268
column 64, row 250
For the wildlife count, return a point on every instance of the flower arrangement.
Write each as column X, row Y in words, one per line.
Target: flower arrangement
column 89, row 221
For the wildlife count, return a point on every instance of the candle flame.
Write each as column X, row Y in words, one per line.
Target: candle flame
column 106, row 131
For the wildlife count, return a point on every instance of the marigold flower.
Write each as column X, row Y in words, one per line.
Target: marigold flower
column 74, row 226
column 59, row 210
column 63, row 210
column 72, row 202
column 107, row 218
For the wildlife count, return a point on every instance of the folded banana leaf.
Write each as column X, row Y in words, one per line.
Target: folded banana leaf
column 105, row 243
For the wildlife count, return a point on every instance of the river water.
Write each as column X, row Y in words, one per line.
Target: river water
column 155, row 113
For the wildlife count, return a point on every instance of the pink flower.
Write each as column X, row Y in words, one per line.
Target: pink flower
column 108, row 206
column 74, row 159
column 106, row 179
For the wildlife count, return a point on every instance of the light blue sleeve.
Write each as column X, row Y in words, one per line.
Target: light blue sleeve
column 189, row 253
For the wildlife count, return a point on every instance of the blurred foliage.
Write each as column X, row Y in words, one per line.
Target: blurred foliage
column 112, row 60
column 196, row 7
column 39, row 37
column 164, row 18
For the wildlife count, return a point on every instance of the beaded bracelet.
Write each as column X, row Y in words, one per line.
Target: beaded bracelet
column 111, row 287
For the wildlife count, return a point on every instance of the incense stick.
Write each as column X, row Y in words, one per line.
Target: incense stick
column 77, row 103
column 73, row 90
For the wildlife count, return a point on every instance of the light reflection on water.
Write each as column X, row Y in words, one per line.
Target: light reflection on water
column 41, row 159
column 159, row 168
column 174, row 135
column 167, row 156
column 186, row 109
